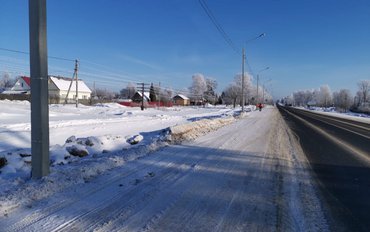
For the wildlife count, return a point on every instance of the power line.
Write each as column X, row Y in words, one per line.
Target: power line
column 218, row 26
column 27, row 53
column 106, row 77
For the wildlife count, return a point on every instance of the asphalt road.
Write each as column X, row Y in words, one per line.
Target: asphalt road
column 339, row 153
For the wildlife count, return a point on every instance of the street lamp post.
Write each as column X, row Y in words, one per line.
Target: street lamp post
column 258, row 78
column 263, row 90
column 243, row 62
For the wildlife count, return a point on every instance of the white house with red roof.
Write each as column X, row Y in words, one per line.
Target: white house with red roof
column 21, row 86
column 58, row 88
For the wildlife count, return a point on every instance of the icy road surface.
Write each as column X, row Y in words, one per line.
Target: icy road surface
column 248, row 176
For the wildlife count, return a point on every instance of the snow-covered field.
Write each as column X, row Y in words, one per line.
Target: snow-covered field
column 106, row 135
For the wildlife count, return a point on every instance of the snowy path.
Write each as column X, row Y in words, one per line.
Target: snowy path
column 248, row 176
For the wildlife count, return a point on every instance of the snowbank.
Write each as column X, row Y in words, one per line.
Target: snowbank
column 80, row 159
column 195, row 129
column 331, row 111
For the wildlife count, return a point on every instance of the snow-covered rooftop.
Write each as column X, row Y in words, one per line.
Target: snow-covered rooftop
column 182, row 96
column 146, row 94
column 63, row 83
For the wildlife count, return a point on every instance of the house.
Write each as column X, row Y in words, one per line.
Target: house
column 181, row 100
column 58, row 88
column 21, row 86
column 138, row 97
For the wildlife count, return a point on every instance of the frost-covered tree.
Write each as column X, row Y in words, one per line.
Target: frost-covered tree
column 129, row 91
column 104, row 94
column 6, row 81
column 299, row 99
column 343, row 99
column 324, row 97
column 198, row 87
column 302, row 97
column 364, row 89
column 210, row 94
column 231, row 94
column 164, row 94
column 248, row 88
column 288, row 100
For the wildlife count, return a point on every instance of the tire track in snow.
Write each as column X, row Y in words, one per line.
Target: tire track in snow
column 138, row 196
column 160, row 209
column 48, row 211
column 193, row 210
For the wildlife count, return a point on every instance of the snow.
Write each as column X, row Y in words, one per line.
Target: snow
column 182, row 96
column 226, row 171
column 63, row 84
column 331, row 111
column 146, row 94
column 102, row 132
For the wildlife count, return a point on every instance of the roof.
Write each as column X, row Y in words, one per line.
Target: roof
column 182, row 96
column 62, row 83
column 27, row 80
column 146, row 94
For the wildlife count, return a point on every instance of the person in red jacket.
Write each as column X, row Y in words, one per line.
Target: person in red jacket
column 259, row 106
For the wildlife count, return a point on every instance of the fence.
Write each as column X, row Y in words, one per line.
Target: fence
column 147, row 104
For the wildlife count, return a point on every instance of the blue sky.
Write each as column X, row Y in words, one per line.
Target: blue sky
column 307, row 43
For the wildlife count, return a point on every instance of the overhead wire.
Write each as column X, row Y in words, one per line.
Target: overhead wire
column 27, row 53
column 218, row 26
column 225, row 36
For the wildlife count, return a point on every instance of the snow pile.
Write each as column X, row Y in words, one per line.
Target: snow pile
column 332, row 111
column 16, row 163
column 195, row 129
column 95, row 161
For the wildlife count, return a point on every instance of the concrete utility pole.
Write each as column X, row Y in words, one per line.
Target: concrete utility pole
column 159, row 93
column 39, row 89
column 76, row 71
column 243, row 61
column 258, row 78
